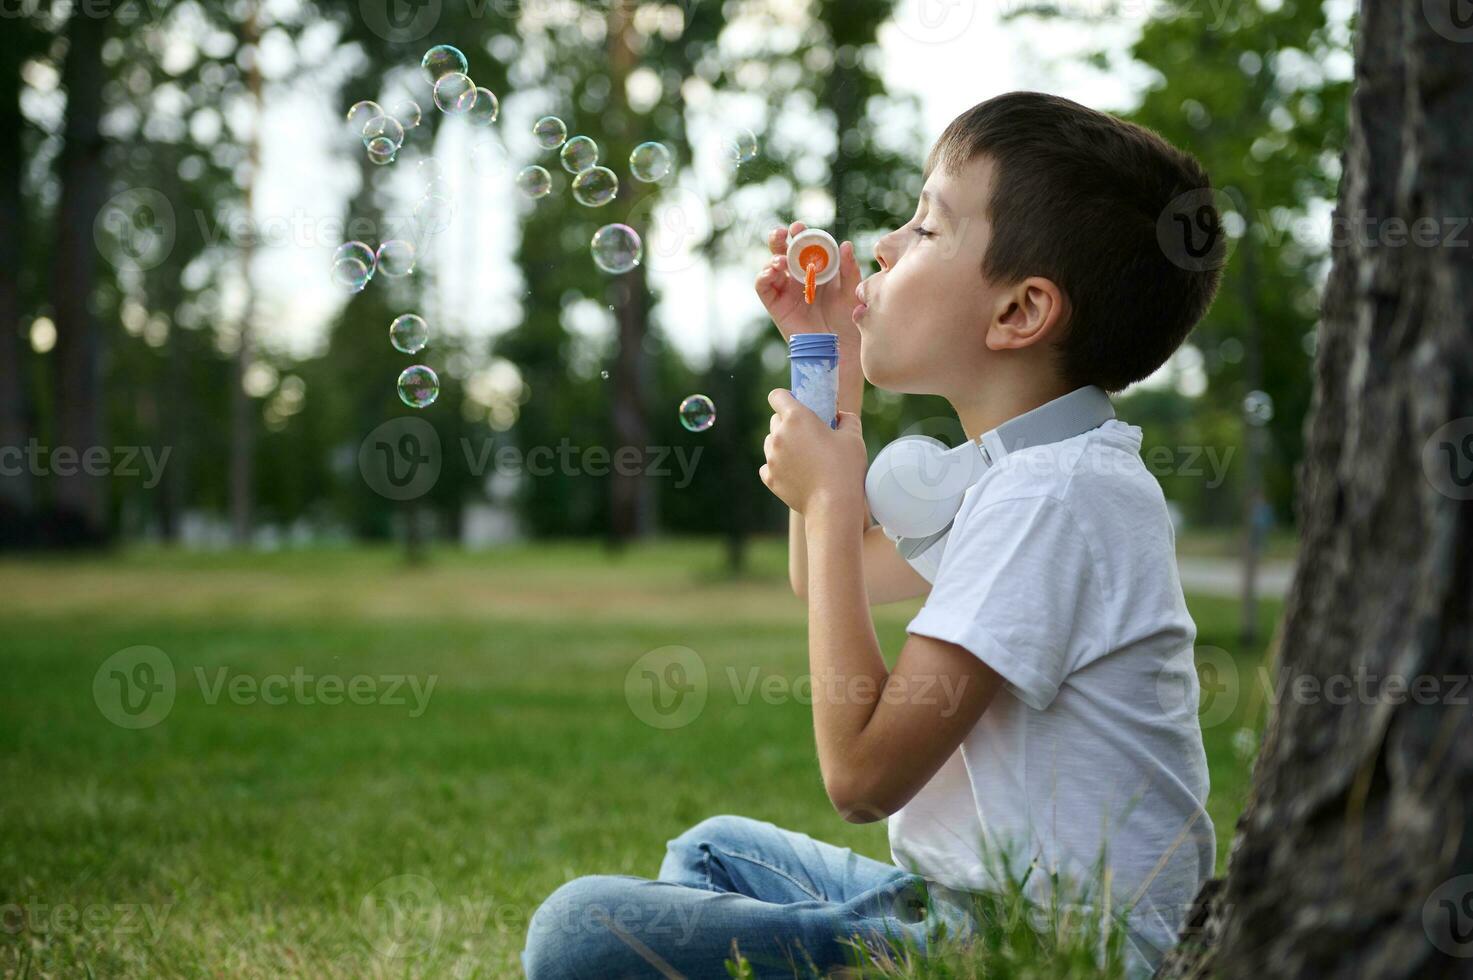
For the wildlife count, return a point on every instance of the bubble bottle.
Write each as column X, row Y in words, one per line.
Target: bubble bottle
column 813, row 358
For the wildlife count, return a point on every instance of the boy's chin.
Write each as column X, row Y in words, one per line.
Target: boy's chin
column 886, row 376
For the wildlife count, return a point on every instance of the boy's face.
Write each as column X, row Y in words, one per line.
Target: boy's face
column 925, row 328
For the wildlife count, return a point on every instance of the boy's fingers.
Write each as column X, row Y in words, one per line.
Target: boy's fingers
column 782, row 401
column 777, row 240
column 796, row 228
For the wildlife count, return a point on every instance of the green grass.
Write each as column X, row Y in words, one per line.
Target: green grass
column 255, row 839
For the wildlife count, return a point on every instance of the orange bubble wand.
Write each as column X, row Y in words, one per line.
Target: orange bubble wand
column 813, row 259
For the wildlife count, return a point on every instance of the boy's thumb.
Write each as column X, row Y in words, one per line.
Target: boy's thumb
column 848, row 421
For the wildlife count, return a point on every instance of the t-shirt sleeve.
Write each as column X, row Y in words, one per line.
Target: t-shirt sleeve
column 1012, row 588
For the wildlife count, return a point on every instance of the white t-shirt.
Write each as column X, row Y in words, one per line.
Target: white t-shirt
column 1060, row 573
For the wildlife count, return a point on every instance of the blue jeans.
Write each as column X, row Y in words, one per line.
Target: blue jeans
column 785, row 900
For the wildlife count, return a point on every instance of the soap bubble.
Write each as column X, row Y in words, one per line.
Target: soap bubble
column 550, row 131
column 360, row 114
column 1258, row 407
column 595, row 187
column 649, row 162
column 455, row 93
column 616, row 248
column 381, row 154
column 418, row 386
column 383, row 133
column 433, row 215
column 442, row 60
column 578, row 154
column 409, row 334
column 697, row 413
column 740, row 146
column 429, row 169
column 534, row 181
column 396, row 258
column 408, row 113
column 352, row 265
column 486, row 108
column 438, row 187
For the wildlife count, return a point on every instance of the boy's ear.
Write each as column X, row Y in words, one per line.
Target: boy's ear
column 1031, row 311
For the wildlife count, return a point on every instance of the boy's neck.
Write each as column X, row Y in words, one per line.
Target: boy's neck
column 992, row 403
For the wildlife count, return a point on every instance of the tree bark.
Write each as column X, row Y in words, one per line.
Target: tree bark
column 631, row 503
column 1348, row 858
column 81, row 499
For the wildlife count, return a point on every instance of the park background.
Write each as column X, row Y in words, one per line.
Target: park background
column 173, row 181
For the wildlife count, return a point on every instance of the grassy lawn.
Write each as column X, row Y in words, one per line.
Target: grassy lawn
column 240, row 837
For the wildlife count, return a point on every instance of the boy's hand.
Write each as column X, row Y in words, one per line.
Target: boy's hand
column 810, row 466
column 832, row 310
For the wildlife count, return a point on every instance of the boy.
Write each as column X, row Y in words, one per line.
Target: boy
column 1031, row 270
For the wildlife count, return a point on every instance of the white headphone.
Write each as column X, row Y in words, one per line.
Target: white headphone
column 915, row 485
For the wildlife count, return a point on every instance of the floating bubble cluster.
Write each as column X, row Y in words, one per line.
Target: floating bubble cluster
column 409, row 333
column 419, row 386
column 697, row 413
column 352, row 265
column 578, row 154
column 650, row 162
column 616, row 248
column 550, row 132
column 534, row 181
column 595, row 187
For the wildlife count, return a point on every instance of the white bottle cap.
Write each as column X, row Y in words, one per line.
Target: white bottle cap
column 798, row 251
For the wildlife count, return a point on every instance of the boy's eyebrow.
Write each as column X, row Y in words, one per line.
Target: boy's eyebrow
column 936, row 200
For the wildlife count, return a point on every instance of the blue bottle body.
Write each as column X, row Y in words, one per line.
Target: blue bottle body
column 813, row 362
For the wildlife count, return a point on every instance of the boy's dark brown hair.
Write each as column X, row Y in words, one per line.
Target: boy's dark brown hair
column 1081, row 198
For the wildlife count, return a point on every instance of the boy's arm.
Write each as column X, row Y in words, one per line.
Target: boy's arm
column 881, row 735
column 887, row 576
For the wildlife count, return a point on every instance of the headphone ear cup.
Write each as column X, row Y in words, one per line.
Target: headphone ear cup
column 915, row 485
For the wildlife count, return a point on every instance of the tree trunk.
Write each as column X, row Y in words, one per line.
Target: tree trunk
column 1352, row 855
column 16, row 490
column 631, row 504
column 81, row 499
column 242, row 410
